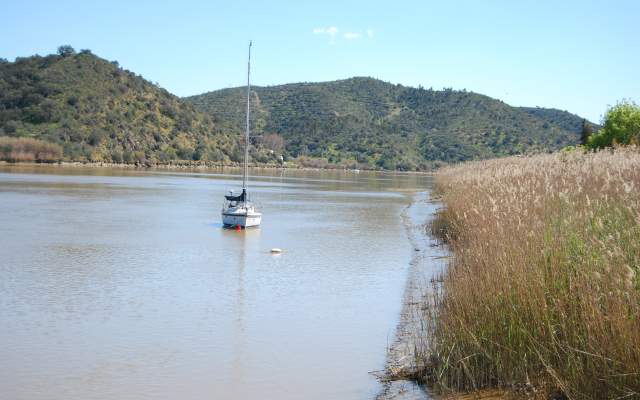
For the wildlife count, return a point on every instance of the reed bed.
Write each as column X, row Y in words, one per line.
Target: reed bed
column 542, row 294
column 27, row 149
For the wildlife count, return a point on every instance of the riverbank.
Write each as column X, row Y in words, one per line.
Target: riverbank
column 402, row 375
column 542, row 298
column 427, row 263
column 196, row 166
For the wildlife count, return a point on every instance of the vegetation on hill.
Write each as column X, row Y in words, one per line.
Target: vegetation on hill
column 97, row 111
column 543, row 294
column 381, row 125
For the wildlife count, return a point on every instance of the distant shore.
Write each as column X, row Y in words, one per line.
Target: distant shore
column 196, row 166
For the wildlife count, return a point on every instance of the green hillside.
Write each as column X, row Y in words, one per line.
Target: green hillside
column 99, row 112
column 382, row 125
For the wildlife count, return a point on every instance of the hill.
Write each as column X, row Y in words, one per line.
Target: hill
column 383, row 125
column 99, row 112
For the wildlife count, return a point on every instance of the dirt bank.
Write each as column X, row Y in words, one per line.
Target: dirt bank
column 427, row 261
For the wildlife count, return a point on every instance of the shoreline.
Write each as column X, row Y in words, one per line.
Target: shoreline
column 198, row 166
column 427, row 262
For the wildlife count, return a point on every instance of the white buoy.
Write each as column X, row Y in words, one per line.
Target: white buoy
column 276, row 250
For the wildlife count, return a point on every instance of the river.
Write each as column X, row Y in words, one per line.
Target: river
column 122, row 284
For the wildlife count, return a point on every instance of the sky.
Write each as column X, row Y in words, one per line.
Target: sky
column 579, row 56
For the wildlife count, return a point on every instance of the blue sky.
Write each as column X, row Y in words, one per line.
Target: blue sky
column 579, row 56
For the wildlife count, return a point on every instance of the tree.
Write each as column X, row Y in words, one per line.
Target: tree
column 274, row 142
column 10, row 126
column 587, row 131
column 66, row 50
column 621, row 126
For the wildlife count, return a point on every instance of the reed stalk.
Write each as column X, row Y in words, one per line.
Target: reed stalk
column 28, row 149
column 542, row 294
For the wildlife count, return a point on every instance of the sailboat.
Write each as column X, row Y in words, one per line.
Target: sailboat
column 237, row 210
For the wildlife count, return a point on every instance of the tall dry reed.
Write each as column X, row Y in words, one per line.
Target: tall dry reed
column 27, row 149
column 543, row 290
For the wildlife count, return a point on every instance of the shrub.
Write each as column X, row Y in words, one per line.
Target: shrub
column 72, row 100
column 139, row 157
column 10, row 126
column 274, row 142
column 621, row 126
column 215, row 155
column 97, row 136
column 185, row 153
column 117, row 156
column 127, row 157
column 66, row 50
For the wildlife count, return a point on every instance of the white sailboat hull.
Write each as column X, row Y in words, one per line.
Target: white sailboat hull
column 242, row 218
column 237, row 210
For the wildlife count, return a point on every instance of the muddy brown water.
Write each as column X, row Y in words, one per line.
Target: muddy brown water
column 119, row 284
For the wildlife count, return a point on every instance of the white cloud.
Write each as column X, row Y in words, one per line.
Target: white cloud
column 332, row 33
column 330, row 30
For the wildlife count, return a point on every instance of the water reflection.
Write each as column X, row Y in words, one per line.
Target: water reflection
column 238, row 239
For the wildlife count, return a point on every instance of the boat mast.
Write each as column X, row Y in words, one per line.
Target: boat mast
column 245, row 172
